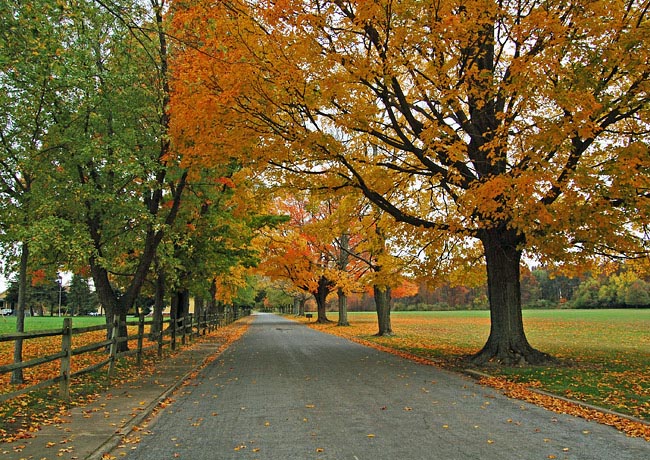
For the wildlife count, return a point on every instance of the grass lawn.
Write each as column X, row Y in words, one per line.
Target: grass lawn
column 43, row 323
column 605, row 354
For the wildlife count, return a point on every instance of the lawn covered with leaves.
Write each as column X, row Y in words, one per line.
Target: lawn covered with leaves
column 603, row 354
column 21, row 416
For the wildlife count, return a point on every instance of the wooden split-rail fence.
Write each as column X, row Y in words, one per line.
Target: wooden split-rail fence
column 179, row 330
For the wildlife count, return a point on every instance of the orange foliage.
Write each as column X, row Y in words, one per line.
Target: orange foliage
column 459, row 143
column 406, row 289
column 303, row 250
column 38, row 277
column 84, row 271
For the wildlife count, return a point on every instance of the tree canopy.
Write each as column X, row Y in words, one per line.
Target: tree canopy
column 89, row 177
column 141, row 140
column 501, row 127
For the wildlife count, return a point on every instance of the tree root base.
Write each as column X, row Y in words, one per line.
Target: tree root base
column 384, row 334
column 513, row 358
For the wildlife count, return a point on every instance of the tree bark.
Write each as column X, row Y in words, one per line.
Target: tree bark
column 324, row 286
column 109, row 301
column 180, row 304
column 344, row 257
column 382, row 304
column 301, row 307
column 158, row 305
column 17, row 376
column 507, row 343
column 212, row 301
column 199, row 306
column 343, row 308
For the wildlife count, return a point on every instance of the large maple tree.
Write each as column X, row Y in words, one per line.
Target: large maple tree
column 507, row 126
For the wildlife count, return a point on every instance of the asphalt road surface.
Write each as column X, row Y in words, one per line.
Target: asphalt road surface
column 284, row 391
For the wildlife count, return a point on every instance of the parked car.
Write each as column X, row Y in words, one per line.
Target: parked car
column 7, row 311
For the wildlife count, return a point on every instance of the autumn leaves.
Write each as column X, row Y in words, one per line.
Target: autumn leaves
column 465, row 123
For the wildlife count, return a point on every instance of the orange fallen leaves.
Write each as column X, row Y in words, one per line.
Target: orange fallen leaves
column 39, row 347
column 23, row 415
column 519, row 391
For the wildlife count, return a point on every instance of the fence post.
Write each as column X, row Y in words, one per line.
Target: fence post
column 66, row 348
column 113, row 347
column 140, row 338
column 205, row 322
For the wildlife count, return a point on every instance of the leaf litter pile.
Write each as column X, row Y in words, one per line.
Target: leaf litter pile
column 22, row 416
column 597, row 365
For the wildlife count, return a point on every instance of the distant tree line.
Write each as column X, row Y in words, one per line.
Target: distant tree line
column 540, row 289
column 50, row 297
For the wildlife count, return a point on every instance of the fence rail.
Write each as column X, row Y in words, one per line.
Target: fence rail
column 185, row 328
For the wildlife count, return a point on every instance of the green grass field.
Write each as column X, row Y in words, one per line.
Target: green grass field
column 44, row 323
column 604, row 354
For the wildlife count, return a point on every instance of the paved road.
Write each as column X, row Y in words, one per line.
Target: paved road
column 284, row 391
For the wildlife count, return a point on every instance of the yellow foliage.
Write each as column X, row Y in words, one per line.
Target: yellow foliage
column 453, row 118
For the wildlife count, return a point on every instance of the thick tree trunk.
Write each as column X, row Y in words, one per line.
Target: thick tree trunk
column 199, row 306
column 507, row 343
column 212, row 302
column 382, row 304
column 158, row 306
column 324, row 286
column 17, row 375
column 301, row 307
column 344, row 257
column 109, row 301
column 105, row 294
column 343, row 308
column 180, row 304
